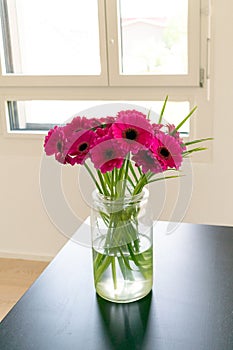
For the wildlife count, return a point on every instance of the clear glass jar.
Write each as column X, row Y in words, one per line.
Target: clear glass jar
column 122, row 244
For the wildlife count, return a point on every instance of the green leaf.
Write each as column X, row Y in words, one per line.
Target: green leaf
column 186, row 153
column 133, row 172
column 148, row 115
column 107, row 179
column 140, row 171
column 164, row 178
column 130, row 181
column 163, row 109
column 141, row 183
column 103, row 184
column 184, row 120
column 199, row 140
column 93, row 178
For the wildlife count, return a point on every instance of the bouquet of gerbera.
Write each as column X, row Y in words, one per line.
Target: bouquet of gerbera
column 128, row 151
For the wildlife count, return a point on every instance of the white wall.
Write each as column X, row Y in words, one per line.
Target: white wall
column 212, row 200
column 26, row 229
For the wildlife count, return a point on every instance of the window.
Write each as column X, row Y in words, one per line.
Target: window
column 34, row 115
column 58, row 58
column 154, row 42
column 51, row 37
column 150, row 43
column 53, row 43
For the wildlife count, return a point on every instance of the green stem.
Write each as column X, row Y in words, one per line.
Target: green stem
column 99, row 270
column 93, row 177
column 112, row 184
column 140, row 171
column 126, row 176
column 107, row 180
column 133, row 172
column 130, row 181
column 120, row 175
column 136, row 260
column 114, row 272
column 125, row 268
column 141, row 183
column 105, row 190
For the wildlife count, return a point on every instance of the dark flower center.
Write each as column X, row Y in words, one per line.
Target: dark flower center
column 109, row 154
column 59, row 146
column 147, row 157
column 131, row 134
column 82, row 147
column 164, row 152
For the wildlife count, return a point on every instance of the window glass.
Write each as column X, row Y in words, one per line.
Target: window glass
column 42, row 115
column 51, row 37
column 154, row 36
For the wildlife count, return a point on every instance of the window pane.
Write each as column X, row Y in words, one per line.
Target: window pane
column 52, row 37
column 154, row 36
column 43, row 115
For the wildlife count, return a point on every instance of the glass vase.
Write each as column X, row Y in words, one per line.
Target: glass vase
column 122, row 245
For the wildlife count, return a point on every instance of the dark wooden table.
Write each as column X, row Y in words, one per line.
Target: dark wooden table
column 190, row 308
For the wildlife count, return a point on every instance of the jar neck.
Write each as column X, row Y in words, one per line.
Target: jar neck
column 124, row 200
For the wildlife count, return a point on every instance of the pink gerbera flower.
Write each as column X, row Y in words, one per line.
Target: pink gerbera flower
column 107, row 121
column 95, row 123
column 132, row 130
column 102, row 131
column 55, row 143
column 147, row 160
column 80, row 144
column 173, row 132
column 156, row 128
column 78, row 124
column 167, row 150
column 106, row 154
column 104, row 127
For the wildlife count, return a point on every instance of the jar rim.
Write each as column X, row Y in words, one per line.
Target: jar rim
column 99, row 197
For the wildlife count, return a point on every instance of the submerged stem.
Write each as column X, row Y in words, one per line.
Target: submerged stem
column 114, row 276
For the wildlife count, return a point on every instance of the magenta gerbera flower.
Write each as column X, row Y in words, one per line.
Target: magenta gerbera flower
column 107, row 121
column 156, row 128
column 167, row 150
column 80, row 144
column 132, row 130
column 107, row 155
column 173, row 132
column 147, row 160
column 101, row 132
column 105, row 126
column 78, row 124
column 55, row 143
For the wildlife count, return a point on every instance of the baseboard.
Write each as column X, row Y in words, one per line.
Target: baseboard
column 22, row 256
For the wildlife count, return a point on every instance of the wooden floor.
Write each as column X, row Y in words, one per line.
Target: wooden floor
column 16, row 276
